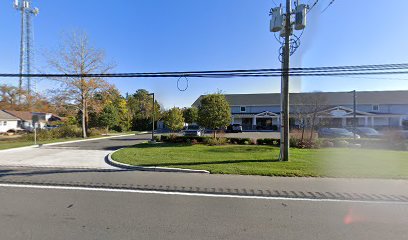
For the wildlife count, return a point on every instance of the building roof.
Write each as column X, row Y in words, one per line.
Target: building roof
column 333, row 98
column 23, row 115
column 6, row 116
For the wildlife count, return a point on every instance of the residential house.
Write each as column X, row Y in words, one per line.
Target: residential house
column 7, row 122
column 378, row 109
column 25, row 119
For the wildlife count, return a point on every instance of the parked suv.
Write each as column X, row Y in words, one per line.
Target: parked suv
column 367, row 132
column 234, row 128
column 194, row 130
column 336, row 133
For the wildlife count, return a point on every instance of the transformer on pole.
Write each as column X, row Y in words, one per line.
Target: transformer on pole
column 26, row 43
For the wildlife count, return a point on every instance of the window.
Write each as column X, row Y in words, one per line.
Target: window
column 5, row 123
column 243, row 109
column 376, row 107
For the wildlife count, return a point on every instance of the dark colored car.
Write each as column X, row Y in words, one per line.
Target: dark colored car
column 336, row 133
column 234, row 128
column 194, row 130
column 367, row 132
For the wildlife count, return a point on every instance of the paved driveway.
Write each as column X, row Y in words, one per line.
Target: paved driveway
column 88, row 154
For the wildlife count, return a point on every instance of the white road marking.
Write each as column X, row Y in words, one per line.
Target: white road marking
column 193, row 194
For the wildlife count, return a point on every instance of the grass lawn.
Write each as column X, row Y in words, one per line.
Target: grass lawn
column 262, row 160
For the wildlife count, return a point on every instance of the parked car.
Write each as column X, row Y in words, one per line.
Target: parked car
column 194, row 130
column 49, row 127
column 336, row 133
column 367, row 132
column 234, row 128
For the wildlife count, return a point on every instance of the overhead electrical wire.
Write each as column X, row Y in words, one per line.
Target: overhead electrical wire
column 327, row 7
column 311, row 71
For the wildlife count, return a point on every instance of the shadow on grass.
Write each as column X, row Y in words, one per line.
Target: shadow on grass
column 209, row 163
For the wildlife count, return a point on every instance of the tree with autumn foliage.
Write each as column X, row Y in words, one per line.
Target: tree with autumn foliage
column 77, row 56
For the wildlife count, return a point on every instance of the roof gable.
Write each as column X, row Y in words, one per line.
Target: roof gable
column 5, row 116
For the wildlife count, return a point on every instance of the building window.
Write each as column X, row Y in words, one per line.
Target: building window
column 243, row 109
column 376, row 108
column 5, row 123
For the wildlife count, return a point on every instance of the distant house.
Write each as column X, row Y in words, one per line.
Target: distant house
column 378, row 109
column 25, row 119
column 7, row 122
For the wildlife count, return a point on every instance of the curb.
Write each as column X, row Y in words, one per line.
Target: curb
column 74, row 141
column 114, row 163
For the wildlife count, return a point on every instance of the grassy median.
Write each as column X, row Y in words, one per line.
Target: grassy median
column 263, row 160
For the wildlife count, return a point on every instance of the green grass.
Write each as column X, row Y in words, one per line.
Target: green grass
column 262, row 160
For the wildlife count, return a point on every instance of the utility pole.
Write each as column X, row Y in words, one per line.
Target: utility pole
column 283, row 23
column 354, row 114
column 284, row 144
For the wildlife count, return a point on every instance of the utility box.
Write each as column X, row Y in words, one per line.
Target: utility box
column 277, row 20
column 300, row 18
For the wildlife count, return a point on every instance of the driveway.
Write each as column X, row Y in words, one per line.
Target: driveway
column 88, row 154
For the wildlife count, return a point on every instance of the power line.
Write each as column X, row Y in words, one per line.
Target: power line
column 331, row 3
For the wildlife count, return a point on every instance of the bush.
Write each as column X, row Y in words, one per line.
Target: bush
column 341, row 143
column 157, row 138
column 215, row 141
column 327, row 144
column 268, row 141
column 240, row 141
column 182, row 139
column 92, row 132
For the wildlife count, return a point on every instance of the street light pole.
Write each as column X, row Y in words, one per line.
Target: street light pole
column 153, row 112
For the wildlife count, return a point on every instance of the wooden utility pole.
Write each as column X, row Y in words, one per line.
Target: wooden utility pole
column 284, row 156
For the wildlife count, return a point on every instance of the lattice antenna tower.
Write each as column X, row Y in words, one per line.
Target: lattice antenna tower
column 26, row 44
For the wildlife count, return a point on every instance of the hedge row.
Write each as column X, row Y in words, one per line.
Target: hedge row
column 294, row 142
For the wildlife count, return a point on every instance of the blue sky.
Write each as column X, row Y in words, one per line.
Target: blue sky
column 183, row 35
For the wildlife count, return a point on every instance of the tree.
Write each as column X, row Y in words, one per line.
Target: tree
column 307, row 108
column 174, row 119
column 140, row 108
column 77, row 56
column 109, row 117
column 190, row 115
column 125, row 119
column 214, row 112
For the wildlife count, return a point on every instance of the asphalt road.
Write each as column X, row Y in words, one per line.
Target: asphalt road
column 54, row 214
column 109, row 144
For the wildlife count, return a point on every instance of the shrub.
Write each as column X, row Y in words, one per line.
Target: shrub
column 157, row 138
column 341, row 143
column 95, row 132
column 182, row 139
column 268, row 141
column 240, row 141
column 327, row 144
column 216, row 141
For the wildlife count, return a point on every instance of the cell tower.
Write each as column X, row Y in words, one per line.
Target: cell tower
column 26, row 44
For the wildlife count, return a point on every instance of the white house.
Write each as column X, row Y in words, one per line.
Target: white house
column 7, row 122
column 25, row 119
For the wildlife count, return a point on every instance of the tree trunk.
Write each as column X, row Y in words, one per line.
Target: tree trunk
column 215, row 134
column 312, row 127
column 83, row 119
